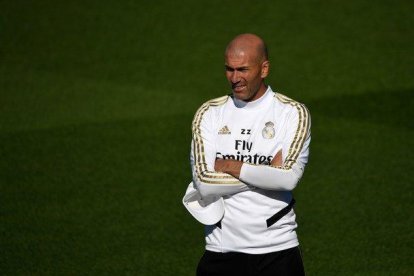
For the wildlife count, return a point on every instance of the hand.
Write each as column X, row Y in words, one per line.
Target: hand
column 277, row 160
column 233, row 167
column 229, row 166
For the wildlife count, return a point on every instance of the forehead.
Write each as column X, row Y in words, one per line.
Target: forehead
column 239, row 58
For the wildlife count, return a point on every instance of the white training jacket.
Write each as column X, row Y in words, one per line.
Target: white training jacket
column 252, row 132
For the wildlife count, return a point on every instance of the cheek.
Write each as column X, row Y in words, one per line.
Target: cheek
column 258, row 77
column 253, row 79
column 228, row 76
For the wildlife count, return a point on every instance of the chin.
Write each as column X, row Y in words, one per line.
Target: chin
column 240, row 96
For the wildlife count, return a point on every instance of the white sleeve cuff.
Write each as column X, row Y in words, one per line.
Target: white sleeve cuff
column 271, row 178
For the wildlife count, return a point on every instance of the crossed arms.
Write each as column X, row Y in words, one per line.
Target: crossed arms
column 218, row 177
column 233, row 167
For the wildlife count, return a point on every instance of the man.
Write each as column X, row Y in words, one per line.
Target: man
column 249, row 150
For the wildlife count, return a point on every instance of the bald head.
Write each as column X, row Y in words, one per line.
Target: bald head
column 248, row 44
column 247, row 66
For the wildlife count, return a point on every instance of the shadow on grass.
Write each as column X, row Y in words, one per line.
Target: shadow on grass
column 358, row 177
column 105, row 197
column 108, row 190
column 394, row 108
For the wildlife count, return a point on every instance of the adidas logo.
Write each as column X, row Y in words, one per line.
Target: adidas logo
column 224, row 130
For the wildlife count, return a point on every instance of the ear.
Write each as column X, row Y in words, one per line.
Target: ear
column 265, row 69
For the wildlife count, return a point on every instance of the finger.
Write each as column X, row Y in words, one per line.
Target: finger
column 218, row 165
column 277, row 160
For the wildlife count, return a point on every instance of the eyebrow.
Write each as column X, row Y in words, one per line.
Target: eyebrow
column 236, row 69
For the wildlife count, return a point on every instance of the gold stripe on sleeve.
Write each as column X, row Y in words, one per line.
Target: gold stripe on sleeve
column 301, row 131
column 200, row 163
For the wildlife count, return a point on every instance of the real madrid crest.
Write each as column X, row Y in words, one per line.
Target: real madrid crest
column 268, row 131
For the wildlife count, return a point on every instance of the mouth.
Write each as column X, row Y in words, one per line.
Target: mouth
column 238, row 88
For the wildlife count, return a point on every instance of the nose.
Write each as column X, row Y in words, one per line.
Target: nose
column 234, row 78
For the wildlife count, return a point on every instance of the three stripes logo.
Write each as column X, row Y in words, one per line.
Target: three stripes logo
column 224, row 130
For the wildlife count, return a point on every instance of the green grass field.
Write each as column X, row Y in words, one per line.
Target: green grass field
column 96, row 103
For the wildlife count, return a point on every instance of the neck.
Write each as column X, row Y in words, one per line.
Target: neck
column 259, row 93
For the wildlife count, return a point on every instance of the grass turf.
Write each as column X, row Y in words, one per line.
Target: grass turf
column 97, row 100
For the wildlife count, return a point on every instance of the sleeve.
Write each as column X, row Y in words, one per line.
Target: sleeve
column 203, row 156
column 296, row 150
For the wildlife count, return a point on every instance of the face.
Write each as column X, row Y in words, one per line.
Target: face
column 245, row 75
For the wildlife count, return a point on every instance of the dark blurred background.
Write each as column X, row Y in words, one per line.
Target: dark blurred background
column 96, row 103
